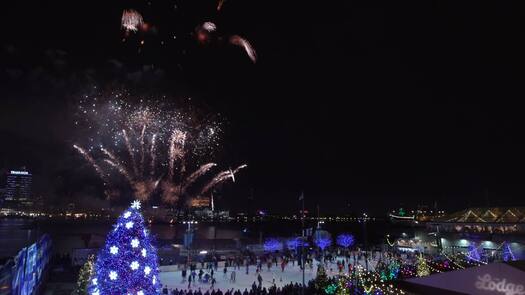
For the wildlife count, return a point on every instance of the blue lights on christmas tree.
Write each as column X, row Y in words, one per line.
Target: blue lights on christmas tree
column 295, row 243
column 473, row 253
column 345, row 240
column 507, row 252
column 272, row 245
column 323, row 242
column 127, row 264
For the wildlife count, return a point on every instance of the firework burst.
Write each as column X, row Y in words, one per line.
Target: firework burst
column 209, row 26
column 154, row 151
column 131, row 20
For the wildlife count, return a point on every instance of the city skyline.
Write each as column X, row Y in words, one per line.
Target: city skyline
column 380, row 109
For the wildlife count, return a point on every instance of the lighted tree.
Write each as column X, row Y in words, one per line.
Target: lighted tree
column 331, row 289
column 294, row 243
column 344, row 285
column 323, row 242
column 473, row 253
column 422, row 267
column 127, row 264
column 272, row 245
column 393, row 270
column 507, row 253
column 345, row 240
column 85, row 274
column 321, row 280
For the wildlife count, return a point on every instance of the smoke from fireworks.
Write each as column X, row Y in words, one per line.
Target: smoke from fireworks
column 153, row 150
column 131, row 20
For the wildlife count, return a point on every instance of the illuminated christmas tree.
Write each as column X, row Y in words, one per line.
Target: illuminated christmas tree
column 321, row 280
column 393, row 270
column 323, row 242
column 85, row 274
column 344, row 284
column 473, row 253
column 272, row 245
column 422, row 266
column 507, row 253
column 345, row 240
column 128, row 262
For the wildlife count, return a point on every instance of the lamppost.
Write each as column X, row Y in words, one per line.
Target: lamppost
column 365, row 217
column 303, row 242
column 188, row 238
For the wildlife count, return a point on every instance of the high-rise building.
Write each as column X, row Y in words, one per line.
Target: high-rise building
column 18, row 187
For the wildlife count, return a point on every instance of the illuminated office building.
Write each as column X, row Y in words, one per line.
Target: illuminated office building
column 18, row 187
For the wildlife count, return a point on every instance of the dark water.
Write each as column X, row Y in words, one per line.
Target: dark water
column 14, row 235
column 68, row 235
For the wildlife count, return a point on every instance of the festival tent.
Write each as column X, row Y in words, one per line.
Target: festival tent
column 490, row 279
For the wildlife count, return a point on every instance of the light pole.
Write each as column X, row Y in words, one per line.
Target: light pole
column 303, row 242
column 365, row 217
column 188, row 239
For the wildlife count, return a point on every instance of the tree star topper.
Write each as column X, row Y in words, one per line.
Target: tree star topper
column 135, row 204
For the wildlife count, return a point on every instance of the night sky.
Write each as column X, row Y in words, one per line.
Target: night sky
column 364, row 106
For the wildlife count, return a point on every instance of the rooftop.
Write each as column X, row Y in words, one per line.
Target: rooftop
column 486, row 215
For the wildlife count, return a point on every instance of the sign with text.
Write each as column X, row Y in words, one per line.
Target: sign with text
column 499, row 285
column 491, row 279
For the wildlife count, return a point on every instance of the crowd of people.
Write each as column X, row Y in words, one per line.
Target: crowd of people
column 200, row 278
column 289, row 289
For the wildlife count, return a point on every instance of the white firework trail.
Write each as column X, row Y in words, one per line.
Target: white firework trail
column 91, row 161
column 239, row 41
column 97, row 168
column 115, row 162
column 198, row 173
column 120, row 169
column 176, row 150
column 130, row 152
column 142, row 148
column 219, row 5
column 239, row 168
column 109, row 154
column 222, row 176
column 232, row 175
column 153, row 155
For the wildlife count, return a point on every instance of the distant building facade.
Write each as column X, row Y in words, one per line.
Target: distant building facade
column 200, row 202
column 18, row 189
column 495, row 233
column 493, row 230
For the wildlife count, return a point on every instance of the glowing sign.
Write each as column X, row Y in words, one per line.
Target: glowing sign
column 19, row 172
column 489, row 283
